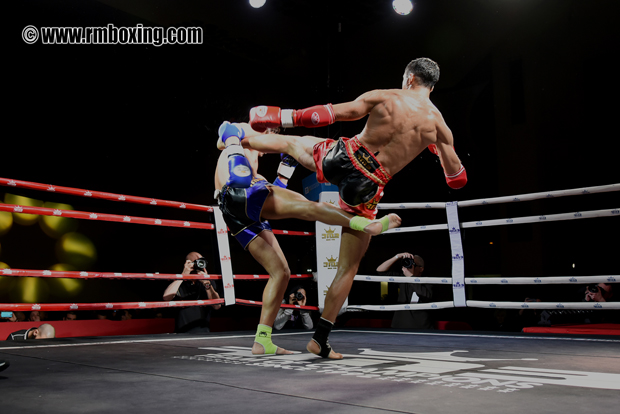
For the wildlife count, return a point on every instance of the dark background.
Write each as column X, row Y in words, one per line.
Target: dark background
column 528, row 87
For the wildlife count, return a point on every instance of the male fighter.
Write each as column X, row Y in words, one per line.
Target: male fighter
column 247, row 204
column 401, row 124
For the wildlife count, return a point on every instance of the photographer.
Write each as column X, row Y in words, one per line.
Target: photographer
column 294, row 318
column 410, row 265
column 603, row 292
column 194, row 319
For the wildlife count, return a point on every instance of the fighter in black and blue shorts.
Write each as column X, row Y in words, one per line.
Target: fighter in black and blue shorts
column 241, row 208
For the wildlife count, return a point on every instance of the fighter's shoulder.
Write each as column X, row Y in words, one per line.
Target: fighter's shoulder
column 379, row 95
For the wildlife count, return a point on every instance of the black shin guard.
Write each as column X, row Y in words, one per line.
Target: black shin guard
column 321, row 337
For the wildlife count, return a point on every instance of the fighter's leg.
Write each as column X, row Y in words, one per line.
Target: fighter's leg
column 353, row 246
column 266, row 250
column 299, row 147
column 283, row 203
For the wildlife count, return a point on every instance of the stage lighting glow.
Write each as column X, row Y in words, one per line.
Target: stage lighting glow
column 257, row 3
column 76, row 250
column 31, row 290
column 402, row 7
column 66, row 285
column 55, row 226
column 6, row 222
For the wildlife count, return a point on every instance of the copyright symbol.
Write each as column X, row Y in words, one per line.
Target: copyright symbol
column 30, row 34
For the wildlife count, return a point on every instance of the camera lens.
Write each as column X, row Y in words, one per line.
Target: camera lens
column 299, row 295
column 593, row 288
column 200, row 264
column 407, row 262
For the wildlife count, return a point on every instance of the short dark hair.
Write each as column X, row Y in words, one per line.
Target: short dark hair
column 425, row 70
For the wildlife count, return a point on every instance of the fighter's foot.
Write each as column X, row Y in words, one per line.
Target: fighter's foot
column 315, row 349
column 258, row 349
column 378, row 226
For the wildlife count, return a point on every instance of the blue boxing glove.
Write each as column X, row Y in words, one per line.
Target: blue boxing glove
column 227, row 130
column 238, row 166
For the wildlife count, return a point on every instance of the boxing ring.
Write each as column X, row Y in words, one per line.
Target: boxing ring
column 383, row 370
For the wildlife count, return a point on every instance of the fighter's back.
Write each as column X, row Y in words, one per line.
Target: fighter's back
column 401, row 124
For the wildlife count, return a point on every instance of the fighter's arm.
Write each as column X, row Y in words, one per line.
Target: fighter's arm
column 173, row 288
column 445, row 149
column 264, row 117
column 359, row 108
column 456, row 177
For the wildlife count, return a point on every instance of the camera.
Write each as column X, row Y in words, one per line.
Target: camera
column 298, row 296
column 407, row 262
column 592, row 288
column 200, row 264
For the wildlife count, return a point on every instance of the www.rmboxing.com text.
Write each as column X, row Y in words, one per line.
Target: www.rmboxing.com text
column 112, row 35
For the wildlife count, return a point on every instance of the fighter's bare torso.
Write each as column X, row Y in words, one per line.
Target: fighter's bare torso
column 401, row 124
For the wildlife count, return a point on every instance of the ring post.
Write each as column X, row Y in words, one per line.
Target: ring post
column 327, row 238
column 225, row 260
column 458, row 260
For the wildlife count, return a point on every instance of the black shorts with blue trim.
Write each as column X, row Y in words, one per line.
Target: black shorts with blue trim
column 241, row 208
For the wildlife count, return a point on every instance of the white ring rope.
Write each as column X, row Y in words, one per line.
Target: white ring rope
column 548, row 280
column 505, row 199
column 397, row 279
column 458, row 282
column 518, row 220
column 543, row 305
column 408, row 306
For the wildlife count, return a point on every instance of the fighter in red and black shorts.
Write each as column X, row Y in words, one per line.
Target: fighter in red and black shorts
column 360, row 177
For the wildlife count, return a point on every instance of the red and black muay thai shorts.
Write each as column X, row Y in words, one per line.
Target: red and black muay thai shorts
column 360, row 177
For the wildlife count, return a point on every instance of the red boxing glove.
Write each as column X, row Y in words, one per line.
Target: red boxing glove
column 313, row 117
column 458, row 179
column 265, row 117
column 433, row 148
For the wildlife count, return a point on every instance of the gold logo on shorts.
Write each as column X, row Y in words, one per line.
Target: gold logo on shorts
column 372, row 205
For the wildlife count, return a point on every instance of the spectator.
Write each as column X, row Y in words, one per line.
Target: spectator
column 70, row 316
column 19, row 316
column 37, row 316
column 44, row 331
column 603, row 292
column 194, row 319
column 410, row 265
column 121, row 315
column 294, row 318
column 101, row 314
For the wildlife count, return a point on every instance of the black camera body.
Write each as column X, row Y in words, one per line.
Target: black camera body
column 298, row 295
column 593, row 288
column 200, row 264
column 407, row 262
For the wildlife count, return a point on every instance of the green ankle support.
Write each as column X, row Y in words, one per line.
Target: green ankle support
column 360, row 223
column 263, row 337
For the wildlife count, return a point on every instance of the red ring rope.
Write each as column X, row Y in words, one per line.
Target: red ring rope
column 113, row 275
column 25, row 307
column 103, row 217
column 102, row 195
column 284, row 305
